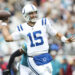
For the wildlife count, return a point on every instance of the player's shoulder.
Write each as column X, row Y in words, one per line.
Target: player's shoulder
column 21, row 27
column 24, row 47
column 43, row 21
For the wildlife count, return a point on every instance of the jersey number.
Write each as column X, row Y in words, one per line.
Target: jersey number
column 35, row 37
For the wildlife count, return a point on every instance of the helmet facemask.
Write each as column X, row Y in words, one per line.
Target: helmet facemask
column 34, row 19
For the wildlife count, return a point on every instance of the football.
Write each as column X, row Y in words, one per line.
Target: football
column 4, row 14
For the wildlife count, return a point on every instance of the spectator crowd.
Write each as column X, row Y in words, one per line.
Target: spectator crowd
column 61, row 14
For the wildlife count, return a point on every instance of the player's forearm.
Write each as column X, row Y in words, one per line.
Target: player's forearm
column 6, row 34
column 0, row 27
column 64, row 39
column 61, row 37
column 12, row 58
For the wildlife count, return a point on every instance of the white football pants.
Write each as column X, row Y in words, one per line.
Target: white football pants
column 40, row 70
column 26, row 70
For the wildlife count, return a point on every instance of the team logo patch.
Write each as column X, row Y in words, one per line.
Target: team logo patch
column 42, row 59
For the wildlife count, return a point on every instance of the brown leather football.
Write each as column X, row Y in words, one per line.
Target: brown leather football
column 4, row 14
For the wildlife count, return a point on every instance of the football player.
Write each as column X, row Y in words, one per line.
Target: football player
column 35, row 31
column 23, row 68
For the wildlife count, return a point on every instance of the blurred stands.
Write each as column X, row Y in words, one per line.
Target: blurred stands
column 61, row 14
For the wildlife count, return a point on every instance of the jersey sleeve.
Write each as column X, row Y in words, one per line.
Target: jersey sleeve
column 18, row 34
column 50, row 28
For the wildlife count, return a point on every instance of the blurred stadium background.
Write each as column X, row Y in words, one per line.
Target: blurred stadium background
column 61, row 14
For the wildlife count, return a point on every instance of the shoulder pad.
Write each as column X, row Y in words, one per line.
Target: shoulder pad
column 24, row 47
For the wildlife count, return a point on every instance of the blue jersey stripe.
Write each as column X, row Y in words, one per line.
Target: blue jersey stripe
column 42, row 21
column 21, row 27
column 18, row 28
column 45, row 21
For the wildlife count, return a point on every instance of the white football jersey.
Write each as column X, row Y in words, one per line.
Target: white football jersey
column 36, row 36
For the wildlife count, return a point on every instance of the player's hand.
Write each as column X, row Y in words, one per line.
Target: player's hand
column 71, row 39
column 6, row 72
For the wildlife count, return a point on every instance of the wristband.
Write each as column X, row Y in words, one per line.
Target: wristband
column 63, row 39
column 4, row 24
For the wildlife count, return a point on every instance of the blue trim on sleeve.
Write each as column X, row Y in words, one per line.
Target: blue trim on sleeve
column 42, row 21
column 18, row 28
column 45, row 21
column 21, row 27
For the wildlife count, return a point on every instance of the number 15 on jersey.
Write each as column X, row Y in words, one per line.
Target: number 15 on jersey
column 35, row 37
